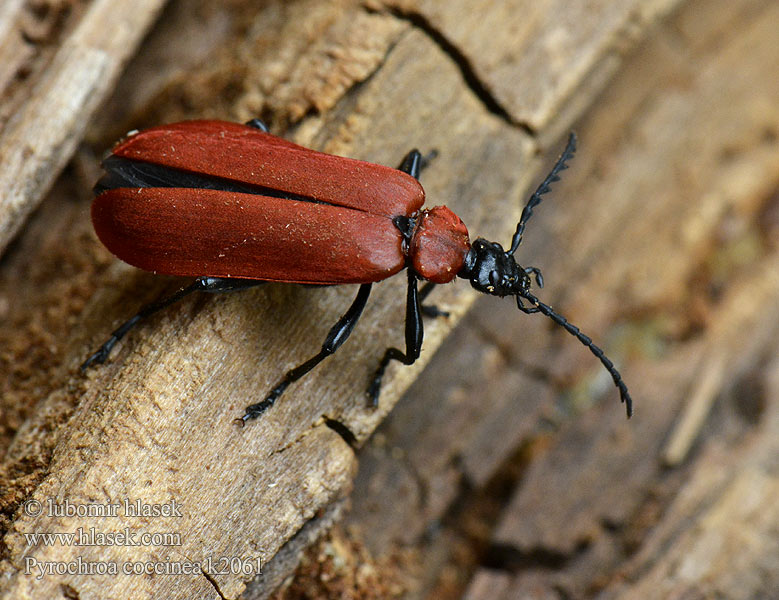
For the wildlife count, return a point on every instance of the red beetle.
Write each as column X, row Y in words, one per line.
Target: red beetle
column 236, row 206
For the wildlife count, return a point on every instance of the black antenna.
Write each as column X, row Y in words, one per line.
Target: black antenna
column 535, row 199
column 539, row 306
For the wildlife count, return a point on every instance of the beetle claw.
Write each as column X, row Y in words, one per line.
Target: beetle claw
column 98, row 357
column 255, row 410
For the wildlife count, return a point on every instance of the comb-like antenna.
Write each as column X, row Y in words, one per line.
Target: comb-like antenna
column 535, row 199
column 539, row 306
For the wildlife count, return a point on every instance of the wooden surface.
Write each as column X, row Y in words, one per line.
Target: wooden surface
column 59, row 59
column 508, row 468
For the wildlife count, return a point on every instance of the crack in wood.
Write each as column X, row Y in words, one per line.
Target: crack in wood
column 470, row 77
column 339, row 427
column 509, row 558
column 213, row 583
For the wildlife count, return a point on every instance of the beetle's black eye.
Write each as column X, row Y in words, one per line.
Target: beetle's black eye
column 494, row 280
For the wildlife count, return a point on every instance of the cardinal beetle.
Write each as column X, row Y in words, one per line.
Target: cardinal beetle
column 236, row 206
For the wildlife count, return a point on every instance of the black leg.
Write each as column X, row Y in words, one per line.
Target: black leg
column 201, row 284
column 430, row 310
column 338, row 335
column 414, row 335
column 412, row 163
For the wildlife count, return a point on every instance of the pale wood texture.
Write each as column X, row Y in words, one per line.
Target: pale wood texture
column 49, row 96
column 486, row 479
column 678, row 171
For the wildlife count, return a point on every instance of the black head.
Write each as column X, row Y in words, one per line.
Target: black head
column 493, row 270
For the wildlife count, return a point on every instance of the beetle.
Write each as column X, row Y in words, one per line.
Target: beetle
column 235, row 207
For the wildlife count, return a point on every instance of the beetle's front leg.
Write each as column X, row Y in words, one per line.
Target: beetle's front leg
column 430, row 310
column 338, row 334
column 414, row 335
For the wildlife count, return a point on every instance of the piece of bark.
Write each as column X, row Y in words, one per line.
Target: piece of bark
column 718, row 538
column 455, row 425
column 535, row 60
column 48, row 93
column 284, row 562
column 610, row 485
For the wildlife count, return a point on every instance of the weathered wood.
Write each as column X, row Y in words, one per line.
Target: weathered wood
column 688, row 116
column 48, row 97
column 284, row 562
column 684, row 111
column 719, row 536
column 534, row 60
column 193, row 385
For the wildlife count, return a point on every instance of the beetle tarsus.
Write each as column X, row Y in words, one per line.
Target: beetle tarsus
column 103, row 352
column 255, row 410
column 101, row 355
column 391, row 354
column 430, row 310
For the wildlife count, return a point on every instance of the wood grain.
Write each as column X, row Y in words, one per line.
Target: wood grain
column 49, row 97
column 508, row 468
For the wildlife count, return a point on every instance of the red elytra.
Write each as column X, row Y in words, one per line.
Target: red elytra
column 338, row 228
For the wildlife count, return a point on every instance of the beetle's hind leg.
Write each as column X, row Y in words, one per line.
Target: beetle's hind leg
column 338, row 334
column 201, row 284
